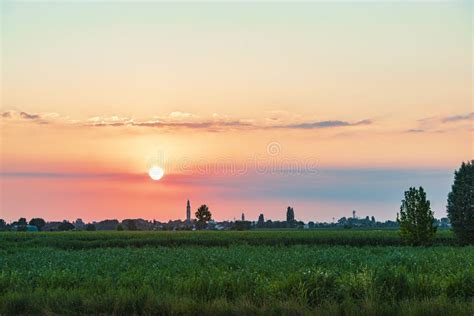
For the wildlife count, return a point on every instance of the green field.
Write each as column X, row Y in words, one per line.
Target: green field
column 328, row 272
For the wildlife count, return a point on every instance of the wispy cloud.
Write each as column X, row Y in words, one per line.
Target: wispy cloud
column 29, row 116
column 24, row 116
column 439, row 124
column 456, row 118
column 415, row 130
column 325, row 124
column 182, row 120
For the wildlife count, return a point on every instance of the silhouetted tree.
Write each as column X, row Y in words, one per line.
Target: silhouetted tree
column 373, row 220
column 203, row 215
column 261, row 221
column 90, row 227
column 3, row 224
column 38, row 222
column 132, row 224
column 269, row 224
column 416, row 218
column 20, row 224
column 22, row 221
column 108, row 224
column 242, row 225
column 290, row 217
column 460, row 206
column 65, row 226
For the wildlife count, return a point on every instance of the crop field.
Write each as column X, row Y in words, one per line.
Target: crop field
column 331, row 272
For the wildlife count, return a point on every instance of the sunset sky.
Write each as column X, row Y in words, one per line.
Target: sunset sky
column 250, row 107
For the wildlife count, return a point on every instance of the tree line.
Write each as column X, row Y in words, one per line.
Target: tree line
column 415, row 218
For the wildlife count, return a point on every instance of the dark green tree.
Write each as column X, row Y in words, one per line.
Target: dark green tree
column 20, row 224
column 65, row 226
column 119, row 227
column 261, row 221
column 460, row 206
column 132, row 224
column 269, row 224
column 417, row 224
column 203, row 216
column 90, row 227
column 242, row 225
column 38, row 222
column 3, row 224
column 290, row 215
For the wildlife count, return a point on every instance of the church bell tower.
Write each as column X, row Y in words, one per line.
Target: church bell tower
column 188, row 213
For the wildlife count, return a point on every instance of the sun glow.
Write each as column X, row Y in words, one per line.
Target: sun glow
column 156, row 173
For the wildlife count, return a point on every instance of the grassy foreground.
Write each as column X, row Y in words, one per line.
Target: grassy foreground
column 138, row 239
column 287, row 272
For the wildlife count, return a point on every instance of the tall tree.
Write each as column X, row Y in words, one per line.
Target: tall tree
column 3, row 224
column 38, row 222
column 203, row 215
column 290, row 215
column 261, row 221
column 20, row 224
column 417, row 224
column 460, row 206
column 22, row 221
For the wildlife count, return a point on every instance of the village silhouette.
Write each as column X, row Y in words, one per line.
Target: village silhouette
column 202, row 220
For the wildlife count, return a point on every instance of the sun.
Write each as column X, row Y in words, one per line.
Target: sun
column 156, row 173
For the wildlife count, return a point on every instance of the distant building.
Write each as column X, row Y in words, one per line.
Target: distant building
column 188, row 213
column 27, row 228
column 243, row 217
column 219, row 227
column 31, row 228
column 51, row 226
column 211, row 225
column 353, row 214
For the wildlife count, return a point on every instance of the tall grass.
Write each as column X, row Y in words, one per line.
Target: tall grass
column 90, row 240
column 43, row 274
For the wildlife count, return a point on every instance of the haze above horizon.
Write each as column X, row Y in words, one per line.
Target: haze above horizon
column 327, row 107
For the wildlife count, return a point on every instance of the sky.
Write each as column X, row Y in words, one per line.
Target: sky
column 327, row 107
